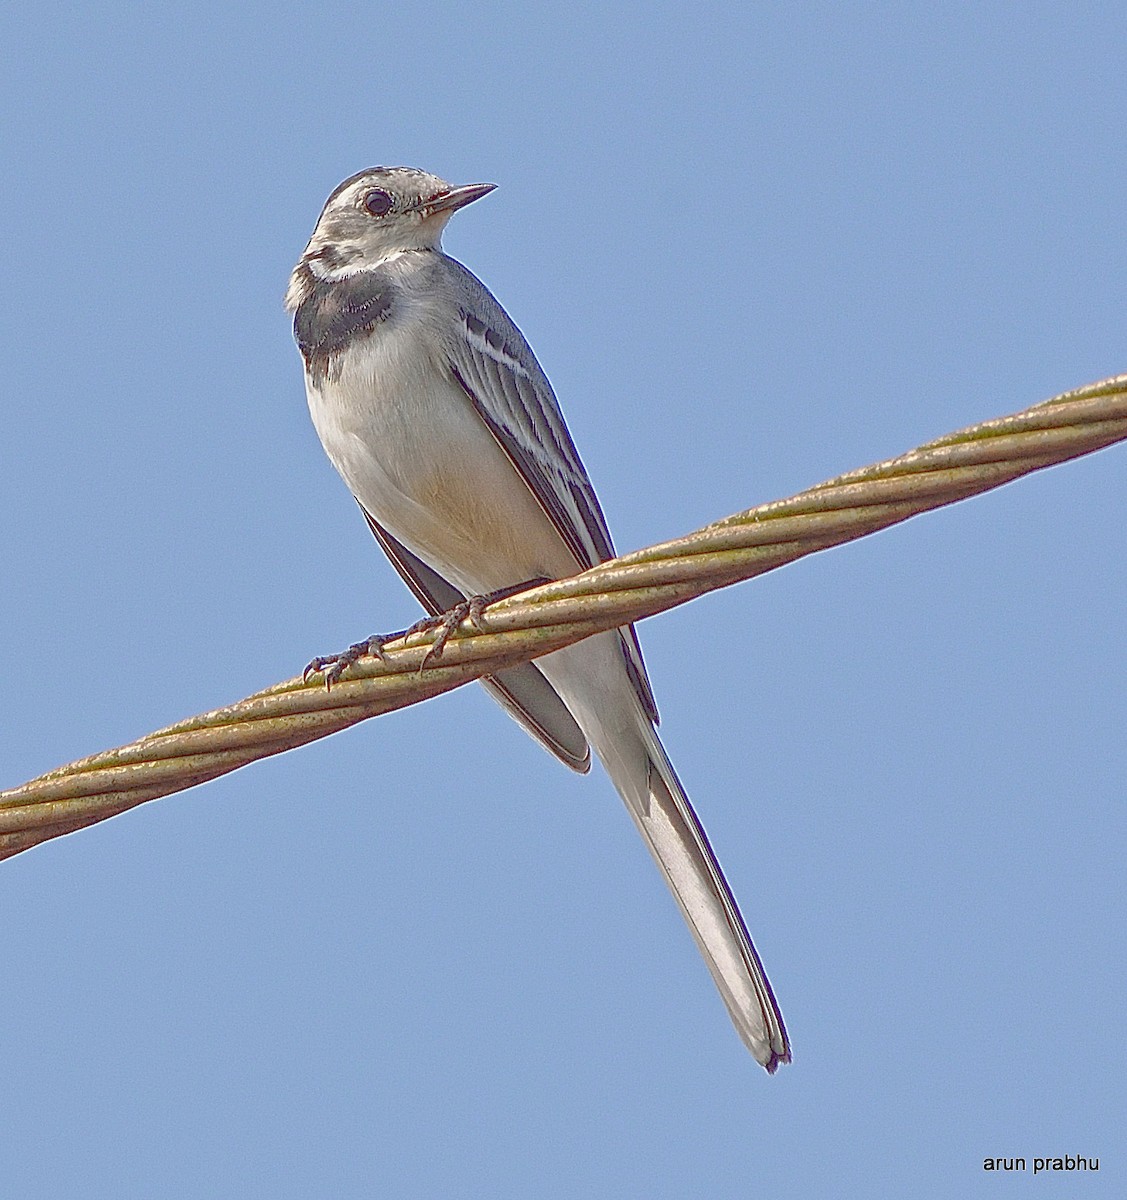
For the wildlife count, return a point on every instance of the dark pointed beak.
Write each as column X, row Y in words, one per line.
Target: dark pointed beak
column 458, row 197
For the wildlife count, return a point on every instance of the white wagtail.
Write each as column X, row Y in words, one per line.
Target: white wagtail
column 434, row 410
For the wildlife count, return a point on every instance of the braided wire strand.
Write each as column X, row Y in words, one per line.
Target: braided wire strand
column 522, row 627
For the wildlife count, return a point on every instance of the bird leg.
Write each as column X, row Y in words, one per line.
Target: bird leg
column 472, row 609
column 332, row 666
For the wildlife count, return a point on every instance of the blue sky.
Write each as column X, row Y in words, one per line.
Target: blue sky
column 753, row 246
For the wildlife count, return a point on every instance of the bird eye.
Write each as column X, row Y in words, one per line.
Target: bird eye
column 378, row 202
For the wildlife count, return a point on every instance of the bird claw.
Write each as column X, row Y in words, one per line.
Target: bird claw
column 446, row 623
column 332, row 666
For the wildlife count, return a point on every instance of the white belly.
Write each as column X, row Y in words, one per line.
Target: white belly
column 423, row 463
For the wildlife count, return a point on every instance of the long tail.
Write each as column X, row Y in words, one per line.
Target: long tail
column 647, row 782
column 592, row 679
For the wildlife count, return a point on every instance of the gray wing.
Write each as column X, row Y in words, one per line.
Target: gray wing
column 522, row 691
column 496, row 368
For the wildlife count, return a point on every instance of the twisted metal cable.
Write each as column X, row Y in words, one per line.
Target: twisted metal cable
column 546, row 618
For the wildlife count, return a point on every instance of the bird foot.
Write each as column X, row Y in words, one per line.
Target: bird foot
column 445, row 623
column 332, row 666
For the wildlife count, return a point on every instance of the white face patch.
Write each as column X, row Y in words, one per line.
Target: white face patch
column 355, row 266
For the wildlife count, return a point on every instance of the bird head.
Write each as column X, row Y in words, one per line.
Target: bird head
column 376, row 215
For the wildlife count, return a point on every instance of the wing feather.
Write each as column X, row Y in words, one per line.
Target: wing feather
column 522, row 691
column 499, row 373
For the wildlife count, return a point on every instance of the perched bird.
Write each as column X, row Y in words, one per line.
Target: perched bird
column 433, row 408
